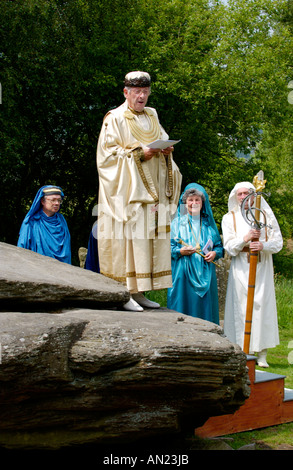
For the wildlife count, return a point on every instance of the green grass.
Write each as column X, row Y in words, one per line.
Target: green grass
column 280, row 358
column 272, row 438
column 159, row 296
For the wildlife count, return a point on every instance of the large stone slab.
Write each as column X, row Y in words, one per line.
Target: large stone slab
column 28, row 278
column 106, row 377
column 73, row 376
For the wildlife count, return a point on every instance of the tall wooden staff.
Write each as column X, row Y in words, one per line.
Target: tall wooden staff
column 259, row 184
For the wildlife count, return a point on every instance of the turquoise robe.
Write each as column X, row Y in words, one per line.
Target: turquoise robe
column 194, row 290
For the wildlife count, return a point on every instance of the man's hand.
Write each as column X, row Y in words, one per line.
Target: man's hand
column 252, row 234
column 150, row 153
column 256, row 246
column 167, row 150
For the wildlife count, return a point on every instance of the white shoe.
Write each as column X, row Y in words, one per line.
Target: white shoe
column 144, row 302
column 262, row 359
column 132, row 306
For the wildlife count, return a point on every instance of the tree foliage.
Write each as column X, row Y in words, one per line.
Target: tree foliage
column 220, row 74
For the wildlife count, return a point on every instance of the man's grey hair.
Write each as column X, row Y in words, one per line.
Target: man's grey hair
column 193, row 192
column 129, row 88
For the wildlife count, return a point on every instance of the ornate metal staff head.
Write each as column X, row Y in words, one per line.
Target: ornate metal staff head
column 251, row 214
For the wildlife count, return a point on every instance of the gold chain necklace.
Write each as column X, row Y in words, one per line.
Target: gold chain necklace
column 197, row 246
column 141, row 135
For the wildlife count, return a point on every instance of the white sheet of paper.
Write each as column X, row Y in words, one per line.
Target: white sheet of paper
column 162, row 144
column 208, row 246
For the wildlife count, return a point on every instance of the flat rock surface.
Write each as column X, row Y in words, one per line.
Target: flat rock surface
column 30, row 278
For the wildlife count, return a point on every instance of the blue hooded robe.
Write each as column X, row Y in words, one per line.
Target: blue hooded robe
column 195, row 290
column 48, row 236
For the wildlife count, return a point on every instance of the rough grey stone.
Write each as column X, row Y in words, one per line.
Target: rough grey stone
column 97, row 375
column 72, row 376
column 28, row 278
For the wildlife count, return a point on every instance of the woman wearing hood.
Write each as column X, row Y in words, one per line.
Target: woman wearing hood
column 195, row 244
column 44, row 230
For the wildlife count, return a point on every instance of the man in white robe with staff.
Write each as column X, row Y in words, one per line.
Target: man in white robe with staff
column 238, row 238
column 139, row 188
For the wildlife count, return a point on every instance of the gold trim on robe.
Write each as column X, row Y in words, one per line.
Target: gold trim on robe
column 136, row 201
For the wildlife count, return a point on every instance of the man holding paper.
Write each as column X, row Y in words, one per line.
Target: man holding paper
column 139, row 188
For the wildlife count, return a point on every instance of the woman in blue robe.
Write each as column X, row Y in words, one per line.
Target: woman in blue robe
column 44, row 230
column 195, row 290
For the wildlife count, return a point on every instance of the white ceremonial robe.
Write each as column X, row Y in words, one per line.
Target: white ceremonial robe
column 136, row 201
column 264, row 330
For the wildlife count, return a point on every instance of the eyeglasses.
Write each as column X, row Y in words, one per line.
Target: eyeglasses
column 54, row 201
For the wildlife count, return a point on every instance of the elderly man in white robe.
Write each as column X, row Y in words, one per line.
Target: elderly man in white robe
column 139, row 188
column 238, row 237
